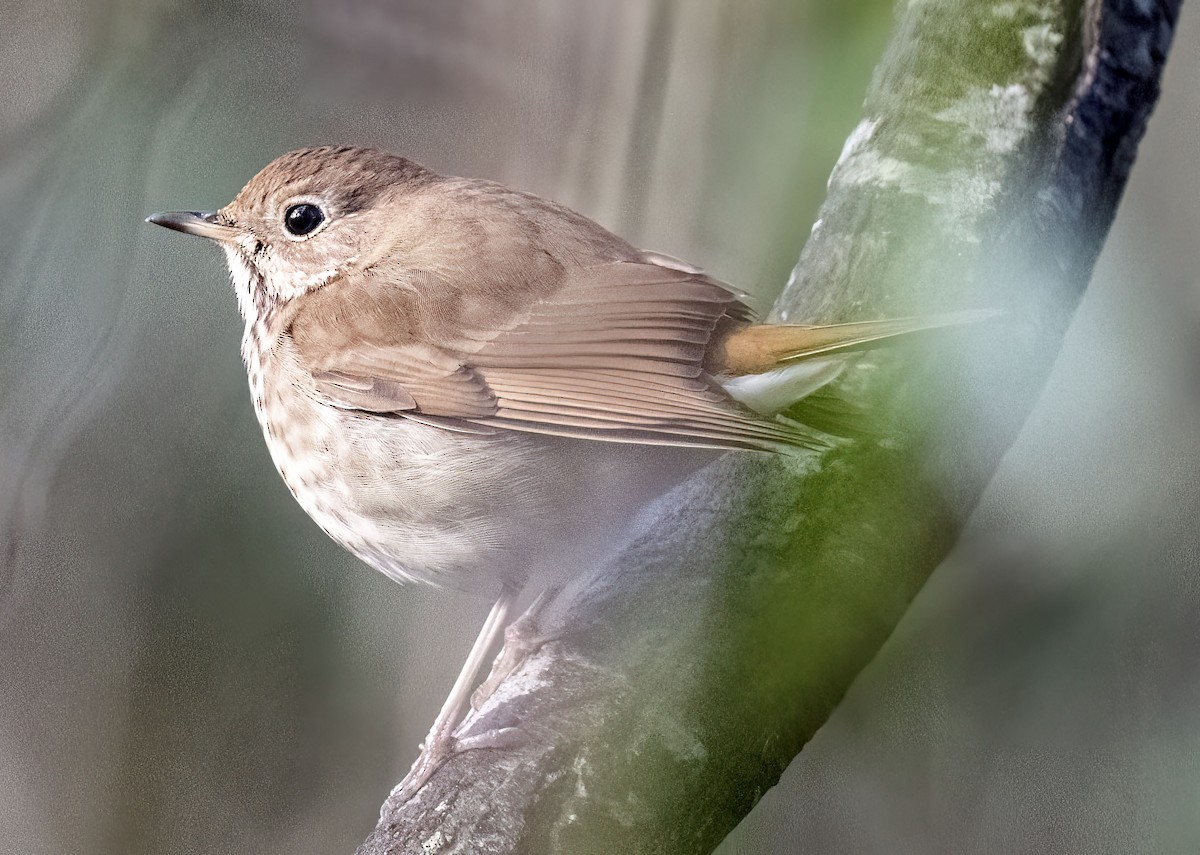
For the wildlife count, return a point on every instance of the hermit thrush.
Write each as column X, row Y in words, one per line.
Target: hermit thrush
column 458, row 380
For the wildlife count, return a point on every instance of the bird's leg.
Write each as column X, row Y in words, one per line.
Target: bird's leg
column 522, row 638
column 439, row 745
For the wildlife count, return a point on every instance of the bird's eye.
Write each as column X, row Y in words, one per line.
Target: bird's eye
column 303, row 219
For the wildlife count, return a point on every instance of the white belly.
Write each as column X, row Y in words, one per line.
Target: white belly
column 450, row 509
column 413, row 501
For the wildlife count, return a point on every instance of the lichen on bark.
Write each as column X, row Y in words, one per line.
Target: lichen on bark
column 690, row 670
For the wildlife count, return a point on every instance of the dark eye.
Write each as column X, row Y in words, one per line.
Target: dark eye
column 302, row 219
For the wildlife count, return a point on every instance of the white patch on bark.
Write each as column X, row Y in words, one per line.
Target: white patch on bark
column 975, row 194
column 870, row 167
column 859, row 137
column 1041, row 43
column 579, row 767
column 997, row 114
column 961, row 193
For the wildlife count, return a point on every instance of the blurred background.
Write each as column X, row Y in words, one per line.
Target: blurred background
column 188, row 665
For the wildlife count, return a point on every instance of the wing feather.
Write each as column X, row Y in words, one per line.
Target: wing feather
column 616, row 353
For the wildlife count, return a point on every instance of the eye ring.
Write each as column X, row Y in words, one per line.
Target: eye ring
column 303, row 219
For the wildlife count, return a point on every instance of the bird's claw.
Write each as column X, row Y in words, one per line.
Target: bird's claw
column 522, row 638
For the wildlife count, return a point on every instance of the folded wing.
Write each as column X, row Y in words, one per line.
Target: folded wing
column 616, row 352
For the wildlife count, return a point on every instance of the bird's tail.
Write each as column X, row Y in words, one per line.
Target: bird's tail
column 758, row 348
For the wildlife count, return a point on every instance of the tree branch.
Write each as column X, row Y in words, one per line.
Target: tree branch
column 689, row 671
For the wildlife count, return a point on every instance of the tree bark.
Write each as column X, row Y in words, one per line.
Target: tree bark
column 687, row 672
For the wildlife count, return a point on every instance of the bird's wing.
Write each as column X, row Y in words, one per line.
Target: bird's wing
column 359, row 342
column 613, row 352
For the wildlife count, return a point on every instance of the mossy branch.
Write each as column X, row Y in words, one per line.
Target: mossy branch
column 995, row 143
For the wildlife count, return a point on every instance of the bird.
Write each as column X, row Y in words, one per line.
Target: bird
column 460, row 382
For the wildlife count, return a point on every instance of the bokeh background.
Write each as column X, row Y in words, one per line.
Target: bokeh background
column 188, row 665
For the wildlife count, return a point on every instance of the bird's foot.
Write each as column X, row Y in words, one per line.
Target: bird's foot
column 436, row 750
column 522, row 638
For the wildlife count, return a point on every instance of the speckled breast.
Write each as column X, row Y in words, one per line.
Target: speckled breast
column 413, row 501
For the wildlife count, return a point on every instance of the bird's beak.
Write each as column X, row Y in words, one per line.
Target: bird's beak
column 195, row 223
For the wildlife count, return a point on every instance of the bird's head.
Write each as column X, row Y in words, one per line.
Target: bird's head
column 309, row 217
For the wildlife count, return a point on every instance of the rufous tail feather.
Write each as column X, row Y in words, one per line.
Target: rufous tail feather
column 758, row 348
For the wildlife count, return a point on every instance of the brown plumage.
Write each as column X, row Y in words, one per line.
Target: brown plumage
column 616, row 351
column 476, row 307
column 427, row 354
column 419, row 311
